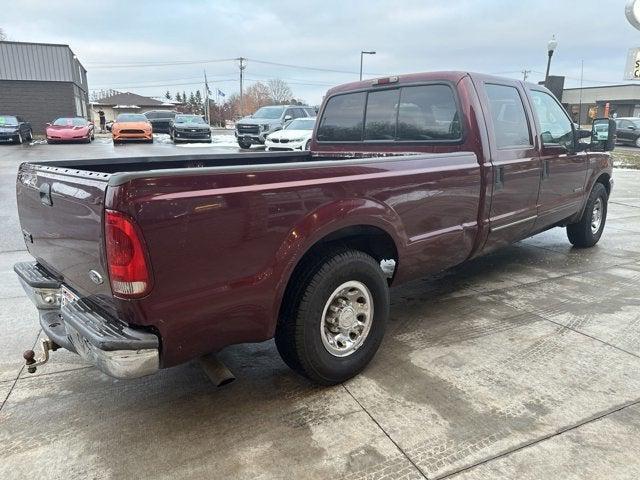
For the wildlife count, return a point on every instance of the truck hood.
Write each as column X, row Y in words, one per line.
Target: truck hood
column 257, row 121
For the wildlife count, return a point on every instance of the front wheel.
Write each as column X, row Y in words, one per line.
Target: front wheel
column 244, row 144
column 333, row 316
column 19, row 140
column 307, row 146
column 637, row 142
column 588, row 230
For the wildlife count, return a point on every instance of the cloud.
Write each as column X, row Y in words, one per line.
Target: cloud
column 491, row 36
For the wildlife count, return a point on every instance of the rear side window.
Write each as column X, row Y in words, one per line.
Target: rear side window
column 342, row 118
column 428, row 112
column 508, row 115
column 381, row 115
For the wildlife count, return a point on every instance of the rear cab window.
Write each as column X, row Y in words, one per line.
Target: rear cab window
column 421, row 113
column 510, row 124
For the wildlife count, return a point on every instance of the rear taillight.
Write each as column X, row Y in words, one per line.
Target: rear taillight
column 128, row 267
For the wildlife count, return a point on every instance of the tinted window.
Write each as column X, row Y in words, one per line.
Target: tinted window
column 382, row 107
column 150, row 115
column 165, row 114
column 554, row 123
column 508, row 115
column 310, row 112
column 428, row 112
column 342, row 118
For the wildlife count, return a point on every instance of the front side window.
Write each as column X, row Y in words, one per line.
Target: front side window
column 342, row 118
column 428, row 112
column 508, row 115
column 554, row 123
column 382, row 108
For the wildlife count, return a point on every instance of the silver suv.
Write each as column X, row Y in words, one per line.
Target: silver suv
column 256, row 127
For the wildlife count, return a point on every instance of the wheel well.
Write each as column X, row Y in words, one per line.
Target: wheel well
column 366, row 238
column 604, row 180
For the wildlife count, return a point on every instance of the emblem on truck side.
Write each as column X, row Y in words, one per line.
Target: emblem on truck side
column 96, row 277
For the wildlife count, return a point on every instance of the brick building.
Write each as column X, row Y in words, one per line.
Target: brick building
column 41, row 82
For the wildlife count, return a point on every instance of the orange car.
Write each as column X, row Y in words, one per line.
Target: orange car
column 131, row 126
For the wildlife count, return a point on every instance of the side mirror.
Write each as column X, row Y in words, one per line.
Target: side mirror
column 631, row 127
column 603, row 135
column 287, row 118
column 48, row 124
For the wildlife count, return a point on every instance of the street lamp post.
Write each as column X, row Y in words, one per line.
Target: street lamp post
column 551, row 46
column 362, row 53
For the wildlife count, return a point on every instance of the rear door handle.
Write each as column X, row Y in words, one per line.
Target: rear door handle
column 499, row 178
column 545, row 169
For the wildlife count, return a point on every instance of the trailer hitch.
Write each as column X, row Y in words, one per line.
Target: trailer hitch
column 29, row 356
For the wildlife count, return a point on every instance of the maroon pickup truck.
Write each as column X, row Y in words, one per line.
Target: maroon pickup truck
column 146, row 263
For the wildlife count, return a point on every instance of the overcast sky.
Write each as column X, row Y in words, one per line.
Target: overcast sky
column 492, row 36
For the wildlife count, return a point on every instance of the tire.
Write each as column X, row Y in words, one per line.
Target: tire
column 301, row 334
column 30, row 137
column 307, row 146
column 637, row 142
column 584, row 233
column 244, row 145
column 20, row 140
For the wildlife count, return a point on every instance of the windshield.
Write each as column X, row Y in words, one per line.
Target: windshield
column 302, row 124
column 131, row 117
column 71, row 122
column 8, row 120
column 189, row 119
column 269, row 112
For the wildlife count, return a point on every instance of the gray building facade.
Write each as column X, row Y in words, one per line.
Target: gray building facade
column 42, row 82
column 585, row 104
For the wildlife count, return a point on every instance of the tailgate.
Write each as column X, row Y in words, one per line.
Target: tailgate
column 61, row 213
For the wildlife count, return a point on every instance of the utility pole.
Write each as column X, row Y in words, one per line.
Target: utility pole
column 525, row 74
column 242, row 66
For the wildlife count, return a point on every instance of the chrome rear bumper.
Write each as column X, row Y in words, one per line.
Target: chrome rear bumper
column 74, row 324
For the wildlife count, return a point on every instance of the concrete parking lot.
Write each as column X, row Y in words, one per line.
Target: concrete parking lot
column 523, row 364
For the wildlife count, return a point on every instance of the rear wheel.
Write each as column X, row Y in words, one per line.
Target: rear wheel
column 334, row 315
column 588, row 230
column 244, row 144
column 19, row 140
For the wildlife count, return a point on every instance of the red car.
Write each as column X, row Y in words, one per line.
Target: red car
column 70, row 129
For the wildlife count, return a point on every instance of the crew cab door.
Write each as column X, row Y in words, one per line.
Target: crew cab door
column 515, row 161
column 564, row 170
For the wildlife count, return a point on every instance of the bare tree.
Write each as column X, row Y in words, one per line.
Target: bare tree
column 3, row 36
column 279, row 91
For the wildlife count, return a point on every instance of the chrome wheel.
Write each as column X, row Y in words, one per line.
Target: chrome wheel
column 596, row 216
column 346, row 318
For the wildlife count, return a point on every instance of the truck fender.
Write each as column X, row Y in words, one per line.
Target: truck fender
column 322, row 222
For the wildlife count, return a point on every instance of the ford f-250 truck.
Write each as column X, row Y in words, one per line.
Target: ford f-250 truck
column 146, row 263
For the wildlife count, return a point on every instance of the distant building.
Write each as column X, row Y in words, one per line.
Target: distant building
column 127, row 102
column 585, row 104
column 41, row 82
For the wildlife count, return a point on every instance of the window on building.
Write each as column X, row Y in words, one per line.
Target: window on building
column 509, row 117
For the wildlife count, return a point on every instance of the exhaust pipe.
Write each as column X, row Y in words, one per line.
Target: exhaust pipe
column 217, row 371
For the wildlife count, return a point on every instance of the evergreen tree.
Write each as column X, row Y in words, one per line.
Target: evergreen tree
column 198, row 106
column 192, row 102
column 167, row 95
column 178, row 97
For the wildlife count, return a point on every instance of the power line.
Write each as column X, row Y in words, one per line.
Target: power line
column 157, row 64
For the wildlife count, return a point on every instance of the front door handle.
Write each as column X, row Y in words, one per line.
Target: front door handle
column 545, row 169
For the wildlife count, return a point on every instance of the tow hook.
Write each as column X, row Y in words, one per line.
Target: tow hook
column 29, row 355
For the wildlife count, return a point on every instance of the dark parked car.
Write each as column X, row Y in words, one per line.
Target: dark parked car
column 15, row 129
column 628, row 130
column 189, row 128
column 145, row 263
column 160, row 119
